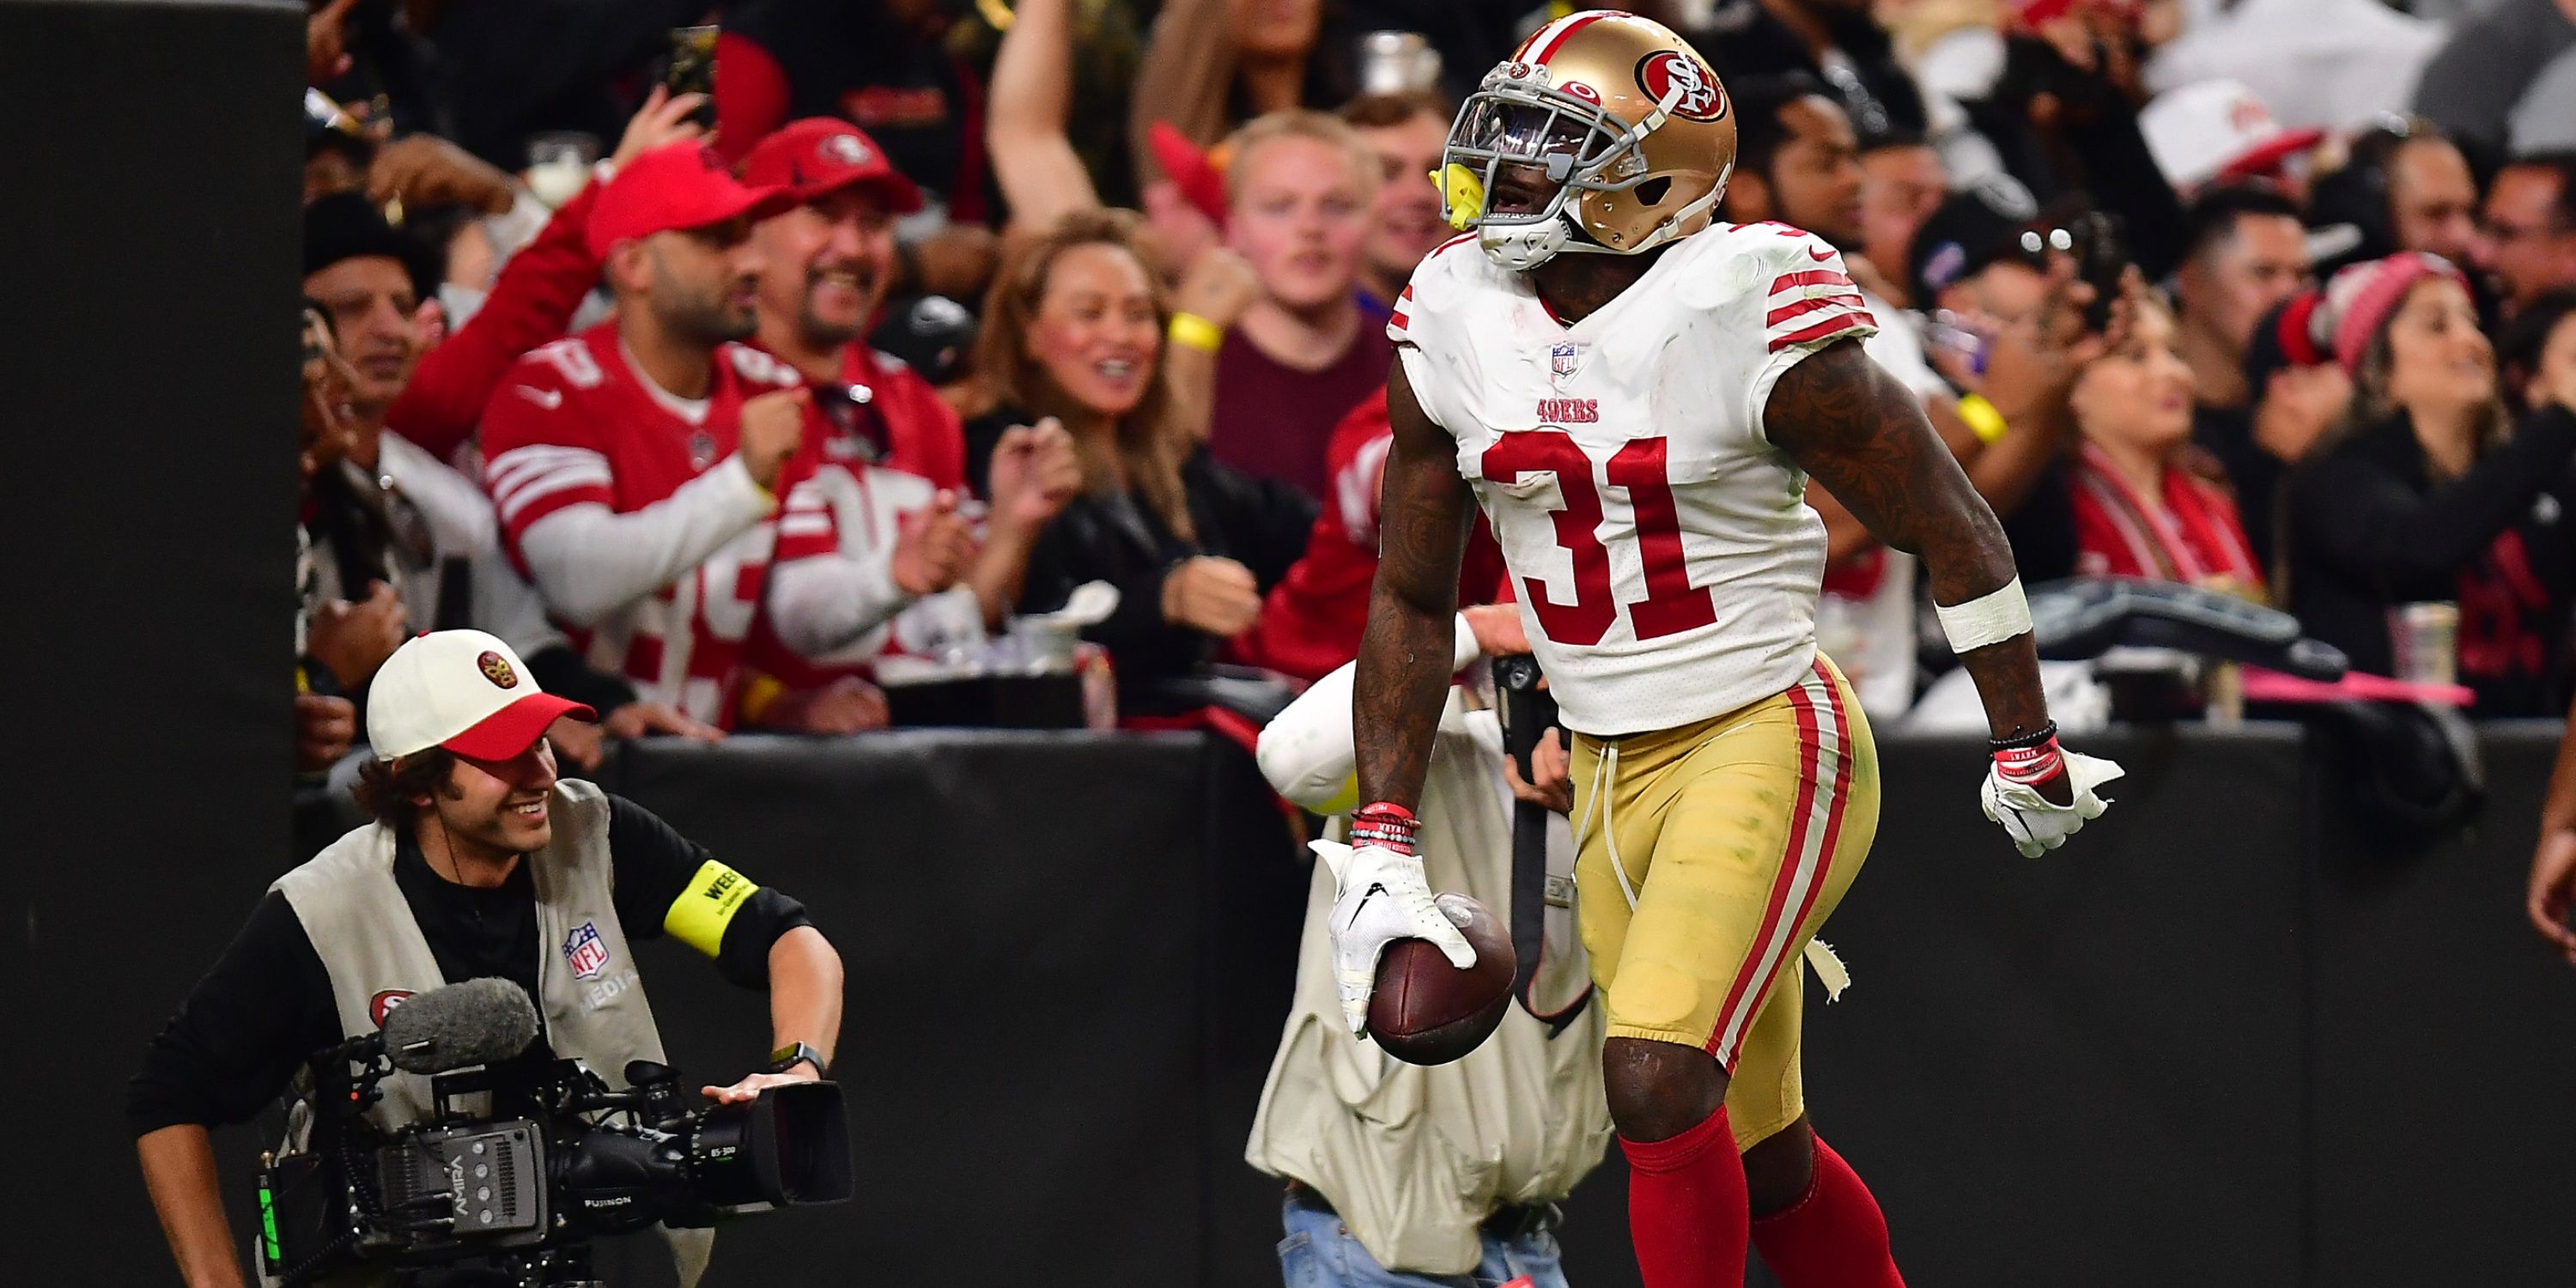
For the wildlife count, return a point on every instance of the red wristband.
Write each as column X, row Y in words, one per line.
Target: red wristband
column 2030, row 765
column 1386, row 825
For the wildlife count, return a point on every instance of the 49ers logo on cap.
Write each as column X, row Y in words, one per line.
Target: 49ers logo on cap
column 496, row 668
column 1702, row 98
column 844, row 149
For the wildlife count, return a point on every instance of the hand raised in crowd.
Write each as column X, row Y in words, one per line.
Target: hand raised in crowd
column 329, row 423
column 324, row 729
column 662, row 120
column 429, row 325
column 933, row 548
column 326, row 40
column 846, row 705
column 773, row 426
column 1551, row 780
column 1211, row 594
column 2299, row 404
column 1035, row 474
column 354, row 639
column 957, row 261
column 2032, row 363
column 424, row 170
column 1219, row 285
column 1498, row 629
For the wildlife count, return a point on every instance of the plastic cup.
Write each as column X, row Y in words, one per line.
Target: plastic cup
column 2424, row 640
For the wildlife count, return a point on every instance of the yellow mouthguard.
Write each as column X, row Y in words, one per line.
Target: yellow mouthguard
column 1463, row 191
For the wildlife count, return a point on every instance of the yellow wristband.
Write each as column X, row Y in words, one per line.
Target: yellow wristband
column 1196, row 332
column 1982, row 419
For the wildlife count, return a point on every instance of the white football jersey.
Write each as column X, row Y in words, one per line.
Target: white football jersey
column 1663, row 551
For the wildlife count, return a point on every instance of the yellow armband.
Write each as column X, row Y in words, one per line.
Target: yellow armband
column 1982, row 419
column 699, row 916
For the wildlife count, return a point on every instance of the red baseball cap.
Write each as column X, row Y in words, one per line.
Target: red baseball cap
column 669, row 188
column 822, row 154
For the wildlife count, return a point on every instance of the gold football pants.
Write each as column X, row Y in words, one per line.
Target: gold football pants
column 1707, row 857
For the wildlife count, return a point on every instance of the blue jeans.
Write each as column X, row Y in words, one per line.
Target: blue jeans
column 1320, row 1253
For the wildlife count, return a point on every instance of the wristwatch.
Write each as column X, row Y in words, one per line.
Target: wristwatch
column 795, row 1053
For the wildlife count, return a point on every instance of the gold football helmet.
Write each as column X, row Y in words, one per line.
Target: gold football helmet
column 1601, row 123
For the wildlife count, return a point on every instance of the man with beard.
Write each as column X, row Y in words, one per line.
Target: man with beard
column 638, row 469
column 2247, row 252
column 2531, row 227
column 891, row 454
column 1797, row 162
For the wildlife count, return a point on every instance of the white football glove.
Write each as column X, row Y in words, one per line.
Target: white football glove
column 1383, row 898
column 2036, row 824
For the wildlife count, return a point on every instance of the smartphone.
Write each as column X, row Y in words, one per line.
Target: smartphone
column 2101, row 260
column 692, row 70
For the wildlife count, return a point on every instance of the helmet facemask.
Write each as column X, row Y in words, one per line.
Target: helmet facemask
column 1520, row 131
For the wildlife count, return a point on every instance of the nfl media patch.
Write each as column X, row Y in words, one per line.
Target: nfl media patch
column 585, row 952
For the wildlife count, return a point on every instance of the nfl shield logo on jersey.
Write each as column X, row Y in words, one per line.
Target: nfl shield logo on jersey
column 583, row 949
column 1562, row 358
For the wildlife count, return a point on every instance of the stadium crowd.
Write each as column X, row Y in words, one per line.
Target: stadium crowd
column 930, row 313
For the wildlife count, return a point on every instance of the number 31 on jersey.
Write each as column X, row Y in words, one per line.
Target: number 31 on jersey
column 1671, row 604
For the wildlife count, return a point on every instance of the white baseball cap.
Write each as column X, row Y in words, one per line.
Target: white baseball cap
column 2216, row 129
column 462, row 690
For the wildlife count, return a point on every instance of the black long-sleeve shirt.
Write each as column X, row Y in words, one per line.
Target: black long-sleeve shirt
column 2371, row 528
column 267, row 1005
column 1117, row 538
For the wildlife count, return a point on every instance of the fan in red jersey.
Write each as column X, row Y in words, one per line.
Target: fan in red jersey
column 1311, row 622
column 890, row 454
column 638, row 468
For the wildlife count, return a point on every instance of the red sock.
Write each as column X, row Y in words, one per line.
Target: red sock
column 1834, row 1237
column 1686, row 1207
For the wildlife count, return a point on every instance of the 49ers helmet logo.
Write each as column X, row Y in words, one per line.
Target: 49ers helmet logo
column 1702, row 98
column 496, row 668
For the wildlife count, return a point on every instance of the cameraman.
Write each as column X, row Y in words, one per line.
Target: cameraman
column 481, row 863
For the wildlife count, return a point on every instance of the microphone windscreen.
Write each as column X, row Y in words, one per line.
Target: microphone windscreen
column 481, row 1021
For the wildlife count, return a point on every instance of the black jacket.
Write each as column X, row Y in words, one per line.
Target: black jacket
column 2370, row 528
column 1116, row 538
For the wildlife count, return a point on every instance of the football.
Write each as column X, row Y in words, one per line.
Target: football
column 1426, row 1011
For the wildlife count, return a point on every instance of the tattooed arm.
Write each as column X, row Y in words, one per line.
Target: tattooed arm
column 1862, row 435
column 1405, row 655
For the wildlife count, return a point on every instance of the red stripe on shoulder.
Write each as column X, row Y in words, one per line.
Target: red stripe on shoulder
column 1808, row 277
column 1795, row 307
column 1847, row 320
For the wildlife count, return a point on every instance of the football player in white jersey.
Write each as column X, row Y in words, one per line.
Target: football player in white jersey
column 1636, row 395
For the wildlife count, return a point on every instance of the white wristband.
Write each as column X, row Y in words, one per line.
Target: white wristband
column 1463, row 649
column 1990, row 618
